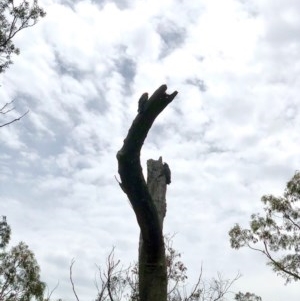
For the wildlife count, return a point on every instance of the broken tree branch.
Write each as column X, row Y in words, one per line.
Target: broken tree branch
column 130, row 170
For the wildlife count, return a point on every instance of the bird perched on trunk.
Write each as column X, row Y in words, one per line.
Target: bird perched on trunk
column 167, row 173
column 142, row 102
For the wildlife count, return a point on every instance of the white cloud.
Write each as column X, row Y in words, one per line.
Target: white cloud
column 229, row 136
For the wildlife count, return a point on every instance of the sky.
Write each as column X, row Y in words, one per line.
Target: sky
column 230, row 136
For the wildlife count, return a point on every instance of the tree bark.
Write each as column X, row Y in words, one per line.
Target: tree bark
column 155, row 276
column 152, row 267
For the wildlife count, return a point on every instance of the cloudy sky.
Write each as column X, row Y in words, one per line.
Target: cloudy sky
column 230, row 136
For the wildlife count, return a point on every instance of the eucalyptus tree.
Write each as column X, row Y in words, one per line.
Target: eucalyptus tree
column 276, row 234
column 14, row 18
column 19, row 270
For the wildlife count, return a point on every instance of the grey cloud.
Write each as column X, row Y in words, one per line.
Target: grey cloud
column 199, row 83
column 172, row 35
column 67, row 68
column 126, row 66
column 250, row 7
column 121, row 4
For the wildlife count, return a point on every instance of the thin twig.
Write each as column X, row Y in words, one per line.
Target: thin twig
column 6, row 105
column 190, row 297
column 71, row 279
column 49, row 295
column 16, row 119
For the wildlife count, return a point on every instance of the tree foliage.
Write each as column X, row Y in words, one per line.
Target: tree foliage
column 19, row 270
column 247, row 297
column 14, row 18
column 277, row 232
column 5, row 232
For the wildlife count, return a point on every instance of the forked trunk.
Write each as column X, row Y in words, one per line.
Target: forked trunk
column 147, row 200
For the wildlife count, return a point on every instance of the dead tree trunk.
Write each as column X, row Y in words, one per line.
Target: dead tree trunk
column 152, row 266
column 157, row 179
column 155, row 276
